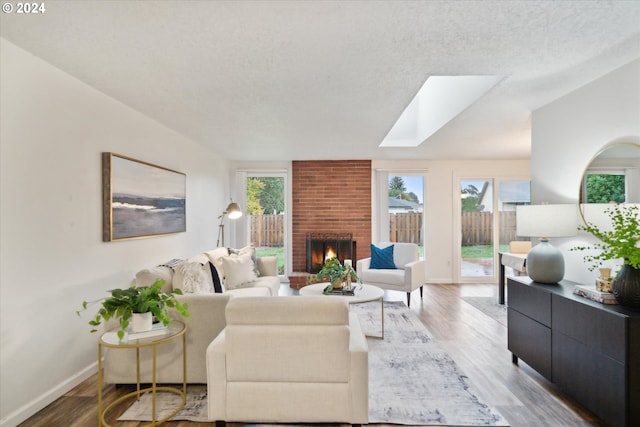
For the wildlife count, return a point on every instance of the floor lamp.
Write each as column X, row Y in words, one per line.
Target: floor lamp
column 233, row 211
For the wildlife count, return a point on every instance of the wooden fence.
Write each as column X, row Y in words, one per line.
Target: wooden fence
column 477, row 228
column 405, row 227
column 267, row 230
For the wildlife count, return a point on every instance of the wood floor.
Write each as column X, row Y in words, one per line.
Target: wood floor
column 475, row 341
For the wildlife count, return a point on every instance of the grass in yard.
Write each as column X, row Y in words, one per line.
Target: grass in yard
column 481, row 251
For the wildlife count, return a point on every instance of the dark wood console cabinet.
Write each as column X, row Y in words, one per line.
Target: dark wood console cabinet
column 589, row 350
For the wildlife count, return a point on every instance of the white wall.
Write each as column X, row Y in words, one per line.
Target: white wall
column 54, row 128
column 441, row 186
column 567, row 133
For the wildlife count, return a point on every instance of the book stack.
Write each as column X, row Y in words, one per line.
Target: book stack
column 594, row 294
column 345, row 292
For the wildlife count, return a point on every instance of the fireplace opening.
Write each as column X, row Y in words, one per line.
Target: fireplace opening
column 322, row 246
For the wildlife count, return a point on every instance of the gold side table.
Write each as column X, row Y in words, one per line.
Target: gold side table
column 110, row 339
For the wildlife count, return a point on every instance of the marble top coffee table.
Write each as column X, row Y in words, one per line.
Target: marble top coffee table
column 363, row 293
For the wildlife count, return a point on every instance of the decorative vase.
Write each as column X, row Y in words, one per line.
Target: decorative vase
column 626, row 287
column 141, row 322
column 337, row 283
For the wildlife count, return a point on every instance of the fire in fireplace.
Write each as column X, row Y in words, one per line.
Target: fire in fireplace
column 322, row 246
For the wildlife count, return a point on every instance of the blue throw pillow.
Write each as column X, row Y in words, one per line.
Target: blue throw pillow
column 382, row 258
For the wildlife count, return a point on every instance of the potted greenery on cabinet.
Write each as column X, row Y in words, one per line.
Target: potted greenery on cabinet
column 621, row 241
column 123, row 304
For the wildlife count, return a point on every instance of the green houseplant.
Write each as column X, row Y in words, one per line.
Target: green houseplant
column 622, row 241
column 335, row 273
column 123, row 303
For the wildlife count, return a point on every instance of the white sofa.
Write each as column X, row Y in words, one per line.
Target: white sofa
column 289, row 359
column 408, row 275
column 206, row 320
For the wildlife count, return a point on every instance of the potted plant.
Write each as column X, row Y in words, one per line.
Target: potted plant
column 123, row 304
column 621, row 242
column 335, row 273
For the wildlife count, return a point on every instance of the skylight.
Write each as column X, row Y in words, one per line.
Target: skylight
column 439, row 100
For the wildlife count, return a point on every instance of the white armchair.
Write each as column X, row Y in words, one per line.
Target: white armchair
column 289, row 359
column 409, row 274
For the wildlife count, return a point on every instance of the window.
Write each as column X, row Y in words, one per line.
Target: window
column 406, row 209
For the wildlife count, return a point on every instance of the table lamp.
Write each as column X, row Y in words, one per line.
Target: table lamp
column 545, row 263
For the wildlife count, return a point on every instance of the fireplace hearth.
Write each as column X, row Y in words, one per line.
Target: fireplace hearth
column 322, row 246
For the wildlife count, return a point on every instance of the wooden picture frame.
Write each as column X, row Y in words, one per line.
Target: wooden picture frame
column 140, row 199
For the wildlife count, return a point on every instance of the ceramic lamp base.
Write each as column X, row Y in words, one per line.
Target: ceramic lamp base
column 545, row 263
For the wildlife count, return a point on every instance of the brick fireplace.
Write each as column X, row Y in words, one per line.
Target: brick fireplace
column 329, row 197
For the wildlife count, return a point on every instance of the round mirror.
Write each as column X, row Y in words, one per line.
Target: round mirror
column 612, row 176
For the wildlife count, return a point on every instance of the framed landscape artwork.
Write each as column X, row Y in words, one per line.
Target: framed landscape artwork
column 140, row 199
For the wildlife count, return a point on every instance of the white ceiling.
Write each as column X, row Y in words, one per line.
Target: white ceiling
column 295, row 80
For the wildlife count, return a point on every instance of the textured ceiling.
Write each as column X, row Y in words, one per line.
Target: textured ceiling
column 295, row 80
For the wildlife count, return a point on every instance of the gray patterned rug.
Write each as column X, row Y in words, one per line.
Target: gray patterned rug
column 490, row 307
column 412, row 381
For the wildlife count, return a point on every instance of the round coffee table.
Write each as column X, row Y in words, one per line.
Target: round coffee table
column 363, row 293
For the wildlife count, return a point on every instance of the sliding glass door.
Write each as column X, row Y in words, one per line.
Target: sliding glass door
column 266, row 215
column 476, row 228
column 482, row 232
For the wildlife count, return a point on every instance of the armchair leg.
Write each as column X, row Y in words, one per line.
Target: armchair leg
column 221, row 423
column 421, row 288
column 408, row 299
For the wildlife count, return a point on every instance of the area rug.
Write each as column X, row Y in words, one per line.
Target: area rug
column 490, row 307
column 412, row 381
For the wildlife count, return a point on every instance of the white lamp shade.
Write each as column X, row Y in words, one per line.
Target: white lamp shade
column 545, row 263
column 547, row 220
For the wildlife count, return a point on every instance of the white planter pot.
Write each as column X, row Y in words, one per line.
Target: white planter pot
column 141, row 322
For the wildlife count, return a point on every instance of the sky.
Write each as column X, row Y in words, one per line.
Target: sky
column 414, row 184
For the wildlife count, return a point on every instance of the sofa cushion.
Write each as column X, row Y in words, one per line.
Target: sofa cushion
column 238, row 270
column 382, row 258
column 389, row 277
column 148, row 276
column 287, row 339
column 267, row 265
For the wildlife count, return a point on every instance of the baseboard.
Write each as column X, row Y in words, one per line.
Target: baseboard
column 442, row 281
column 48, row 397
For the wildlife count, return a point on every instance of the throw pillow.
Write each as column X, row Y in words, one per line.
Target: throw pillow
column 193, row 277
column 172, row 264
column 247, row 250
column 215, row 256
column 238, row 270
column 382, row 258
